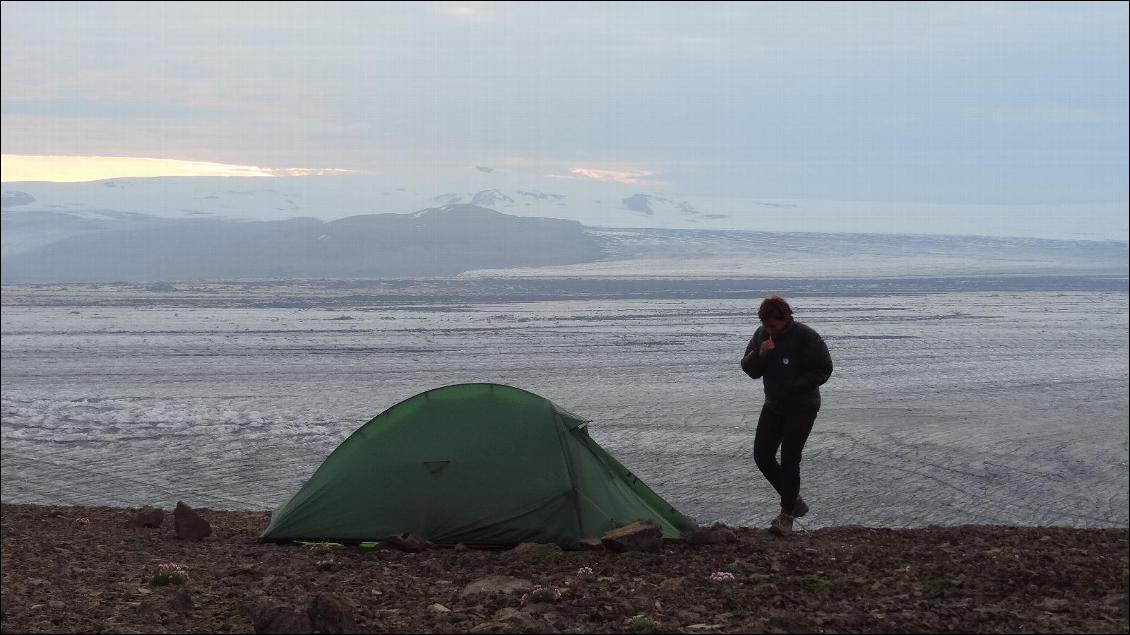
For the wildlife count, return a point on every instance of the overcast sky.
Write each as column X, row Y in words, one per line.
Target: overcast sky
column 989, row 103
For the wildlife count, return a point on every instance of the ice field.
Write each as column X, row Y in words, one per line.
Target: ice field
column 952, row 401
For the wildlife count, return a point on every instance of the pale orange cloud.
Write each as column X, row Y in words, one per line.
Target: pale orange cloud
column 309, row 171
column 627, row 177
column 64, row 169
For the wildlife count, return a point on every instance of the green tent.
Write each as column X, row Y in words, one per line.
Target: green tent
column 480, row 464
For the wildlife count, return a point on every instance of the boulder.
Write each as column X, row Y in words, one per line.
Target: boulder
column 273, row 617
column 410, row 543
column 149, row 517
column 188, row 524
column 331, row 613
column 639, row 536
column 497, row 584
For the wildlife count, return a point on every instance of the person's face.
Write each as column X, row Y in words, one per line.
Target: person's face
column 774, row 326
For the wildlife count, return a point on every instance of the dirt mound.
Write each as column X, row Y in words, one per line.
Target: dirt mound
column 81, row 569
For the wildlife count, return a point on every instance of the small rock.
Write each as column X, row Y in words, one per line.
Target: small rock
column 1114, row 599
column 1054, row 605
column 526, row 622
column 712, row 536
column 538, row 608
column 688, row 616
column 460, row 547
column 331, row 613
column 439, row 608
column 591, row 544
column 497, row 584
column 188, row 524
column 765, row 588
column 148, row 517
column 244, row 570
column 271, row 617
column 167, row 599
column 432, row 566
column 179, row 600
column 504, row 614
column 534, row 549
column 639, row 536
column 408, row 542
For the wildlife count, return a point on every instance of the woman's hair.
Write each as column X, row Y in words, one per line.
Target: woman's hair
column 774, row 308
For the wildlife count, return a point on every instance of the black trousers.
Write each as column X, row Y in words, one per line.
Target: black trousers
column 786, row 428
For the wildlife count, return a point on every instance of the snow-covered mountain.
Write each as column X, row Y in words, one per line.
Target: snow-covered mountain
column 608, row 204
column 469, row 240
column 333, row 197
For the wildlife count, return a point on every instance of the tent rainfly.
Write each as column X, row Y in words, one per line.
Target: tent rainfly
column 479, row 464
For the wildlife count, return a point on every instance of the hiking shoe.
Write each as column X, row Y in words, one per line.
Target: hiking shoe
column 800, row 509
column 782, row 525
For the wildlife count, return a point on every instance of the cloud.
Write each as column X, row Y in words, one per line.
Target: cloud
column 627, row 177
column 1043, row 115
column 473, row 12
column 309, row 171
column 69, row 169
column 106, row 108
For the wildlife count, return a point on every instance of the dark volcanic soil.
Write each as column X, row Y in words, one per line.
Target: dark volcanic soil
column 75, row 569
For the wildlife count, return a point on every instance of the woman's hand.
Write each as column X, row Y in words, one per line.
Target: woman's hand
column 766, row 346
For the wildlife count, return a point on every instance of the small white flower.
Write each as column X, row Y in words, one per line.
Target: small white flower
column 172, row 567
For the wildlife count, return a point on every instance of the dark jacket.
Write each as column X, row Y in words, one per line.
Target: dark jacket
column 794, row 370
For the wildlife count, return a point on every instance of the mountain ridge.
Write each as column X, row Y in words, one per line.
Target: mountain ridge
column 466, row 240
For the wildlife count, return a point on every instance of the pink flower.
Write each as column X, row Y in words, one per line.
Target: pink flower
column 172, row 567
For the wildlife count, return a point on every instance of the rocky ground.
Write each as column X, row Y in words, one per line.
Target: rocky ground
column 77, row 569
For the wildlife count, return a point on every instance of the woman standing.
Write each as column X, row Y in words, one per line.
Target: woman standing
column 793, row 362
